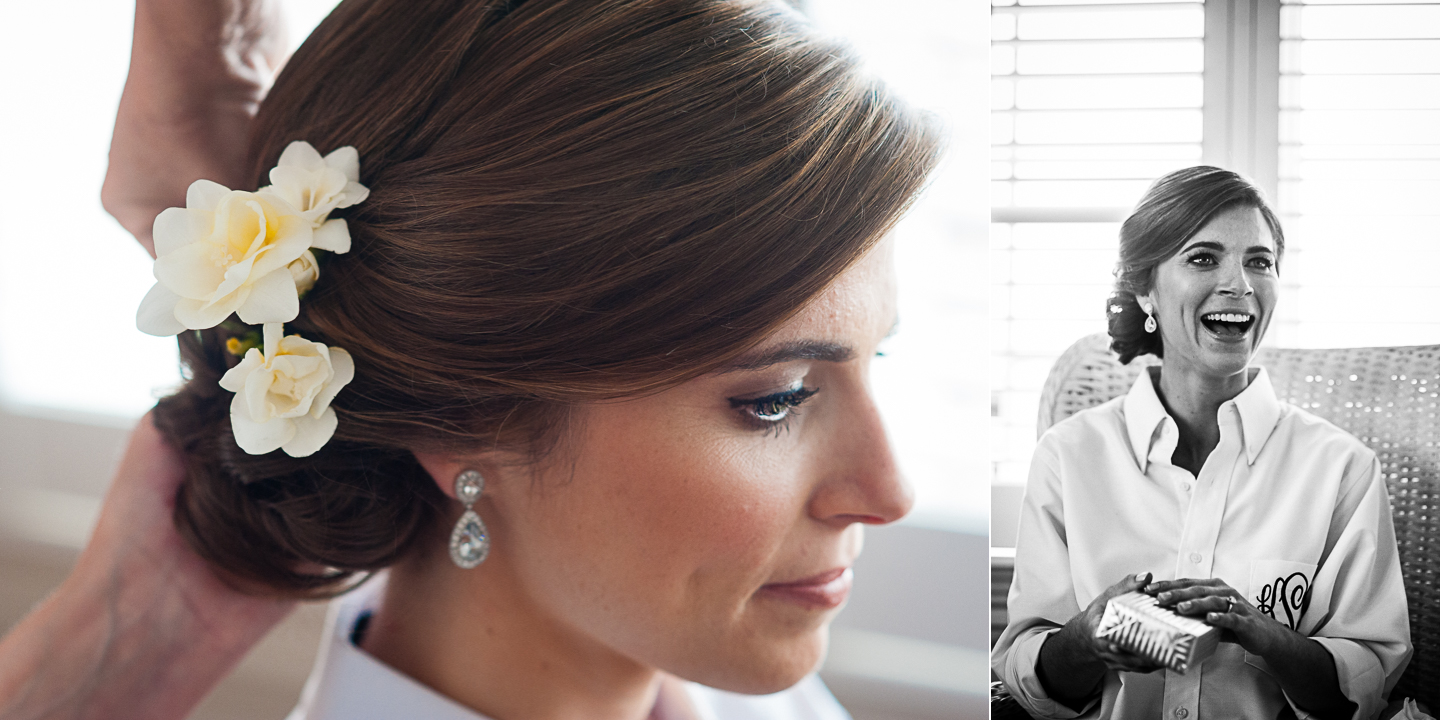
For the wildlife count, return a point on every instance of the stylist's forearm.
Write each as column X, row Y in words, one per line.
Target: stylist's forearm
column 1067, row 670
column 1306, row 672
column 113, row 652
column 198, row 70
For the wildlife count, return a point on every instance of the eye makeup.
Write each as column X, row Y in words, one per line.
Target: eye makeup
column 775, row 410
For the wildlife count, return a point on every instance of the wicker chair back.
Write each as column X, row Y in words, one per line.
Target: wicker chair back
column 1385, row 396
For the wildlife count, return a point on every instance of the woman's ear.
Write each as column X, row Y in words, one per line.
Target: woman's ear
column 1147, row 300
column 443, row 467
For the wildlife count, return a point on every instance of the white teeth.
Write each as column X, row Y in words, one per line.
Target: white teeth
column 1229, row 317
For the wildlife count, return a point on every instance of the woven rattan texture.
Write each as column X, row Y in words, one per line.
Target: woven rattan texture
column 1387, row 397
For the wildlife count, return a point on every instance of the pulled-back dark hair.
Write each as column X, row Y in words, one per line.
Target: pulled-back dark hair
column 1175, row 207
column 571, row 200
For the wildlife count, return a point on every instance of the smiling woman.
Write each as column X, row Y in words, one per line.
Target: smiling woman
column 1174, row 217
column 1202, row 489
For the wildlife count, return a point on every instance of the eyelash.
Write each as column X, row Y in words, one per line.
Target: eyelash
column 1267, row 263
column 773, row 412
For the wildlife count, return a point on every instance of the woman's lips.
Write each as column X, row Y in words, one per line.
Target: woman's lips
column 826, row 591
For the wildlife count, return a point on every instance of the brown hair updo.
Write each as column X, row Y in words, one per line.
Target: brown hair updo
column 1175, row 207
column 571, row 200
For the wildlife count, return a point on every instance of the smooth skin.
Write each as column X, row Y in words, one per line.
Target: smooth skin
column 1231, row 264
column 141, row 628
column 198, row 71
column 643, row 547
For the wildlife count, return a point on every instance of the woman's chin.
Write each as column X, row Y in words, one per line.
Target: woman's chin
column 766, row 667
column 1224, row 357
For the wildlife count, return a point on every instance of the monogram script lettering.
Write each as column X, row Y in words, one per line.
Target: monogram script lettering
column 1291, row 594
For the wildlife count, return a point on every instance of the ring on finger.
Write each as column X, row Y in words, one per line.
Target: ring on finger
column 1229, row 604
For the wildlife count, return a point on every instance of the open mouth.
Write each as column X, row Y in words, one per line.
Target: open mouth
column 1228, row 324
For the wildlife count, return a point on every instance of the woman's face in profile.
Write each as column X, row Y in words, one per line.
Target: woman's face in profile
column 1214, row 299
column 708, row 530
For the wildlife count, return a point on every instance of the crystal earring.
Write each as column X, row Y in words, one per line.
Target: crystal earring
column 469, row 542
column 1149, row 317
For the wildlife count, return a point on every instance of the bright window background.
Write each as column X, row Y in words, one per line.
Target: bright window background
column 1087, row 112
column 1090, row 102
column 1360, row 171
column 73, row 278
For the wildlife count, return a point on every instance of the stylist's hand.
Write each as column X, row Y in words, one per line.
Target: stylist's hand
column 141, row 628
column 198, row 70
column 1218, row 604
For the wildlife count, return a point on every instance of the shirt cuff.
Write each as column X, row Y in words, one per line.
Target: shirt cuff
column 1362, row 679
column 1023, row 680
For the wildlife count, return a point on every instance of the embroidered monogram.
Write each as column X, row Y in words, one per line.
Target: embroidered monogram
column 1290, row 594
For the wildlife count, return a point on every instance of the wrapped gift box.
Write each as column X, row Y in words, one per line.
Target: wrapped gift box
column 1135, row 622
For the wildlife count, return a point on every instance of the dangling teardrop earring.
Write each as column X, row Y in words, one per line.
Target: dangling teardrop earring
column 1150, row 324
column 469, row 542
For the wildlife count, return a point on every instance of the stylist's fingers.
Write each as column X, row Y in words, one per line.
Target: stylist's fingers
column 136, row 541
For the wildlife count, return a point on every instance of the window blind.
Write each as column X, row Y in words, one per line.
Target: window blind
column 1090, row 102
column 1359, row 169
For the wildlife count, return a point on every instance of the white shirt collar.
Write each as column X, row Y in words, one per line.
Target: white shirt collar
column 349, row 684
column 1146, row 418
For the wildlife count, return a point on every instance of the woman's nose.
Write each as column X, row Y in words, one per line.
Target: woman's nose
column 862, row 481
column 1234, row 282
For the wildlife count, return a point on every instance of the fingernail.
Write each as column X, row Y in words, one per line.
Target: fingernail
column 1150, row 587
column 1140, row 577
column 1162, row 597
column 1185, row 605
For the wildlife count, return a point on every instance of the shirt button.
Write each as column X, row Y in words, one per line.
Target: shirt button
column 1181, row 712
column 1194, row 558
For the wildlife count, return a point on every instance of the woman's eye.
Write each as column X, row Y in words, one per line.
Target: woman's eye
column 1201, row 259
column 1262, row 263
column 772, row 410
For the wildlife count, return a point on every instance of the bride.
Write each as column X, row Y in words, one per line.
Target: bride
column 611, row 278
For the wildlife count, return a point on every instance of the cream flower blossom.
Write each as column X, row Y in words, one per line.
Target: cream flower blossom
column 227, row 251
column 282, row 395
column 316, row 185
column 304, row 271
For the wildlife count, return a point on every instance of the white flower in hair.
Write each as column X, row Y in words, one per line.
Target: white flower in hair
column 316, row 185
column 230, row 251
column 282, row 395
column 304, row 271
column 227, row 251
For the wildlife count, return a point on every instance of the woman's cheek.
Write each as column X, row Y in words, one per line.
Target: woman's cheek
column 731, row 501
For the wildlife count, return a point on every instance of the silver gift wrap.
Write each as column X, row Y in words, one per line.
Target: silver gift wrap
column 1135, row 622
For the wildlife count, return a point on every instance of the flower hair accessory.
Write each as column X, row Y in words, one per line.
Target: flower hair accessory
column 252, row 254
column 282, row 395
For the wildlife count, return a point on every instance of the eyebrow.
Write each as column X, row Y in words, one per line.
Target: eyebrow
column 802, row 350
column 1210, row 245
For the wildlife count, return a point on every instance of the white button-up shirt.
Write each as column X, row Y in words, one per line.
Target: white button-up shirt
column 1288, row 510
column 349, row 684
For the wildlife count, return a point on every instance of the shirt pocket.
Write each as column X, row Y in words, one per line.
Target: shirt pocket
column 1285, row 590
